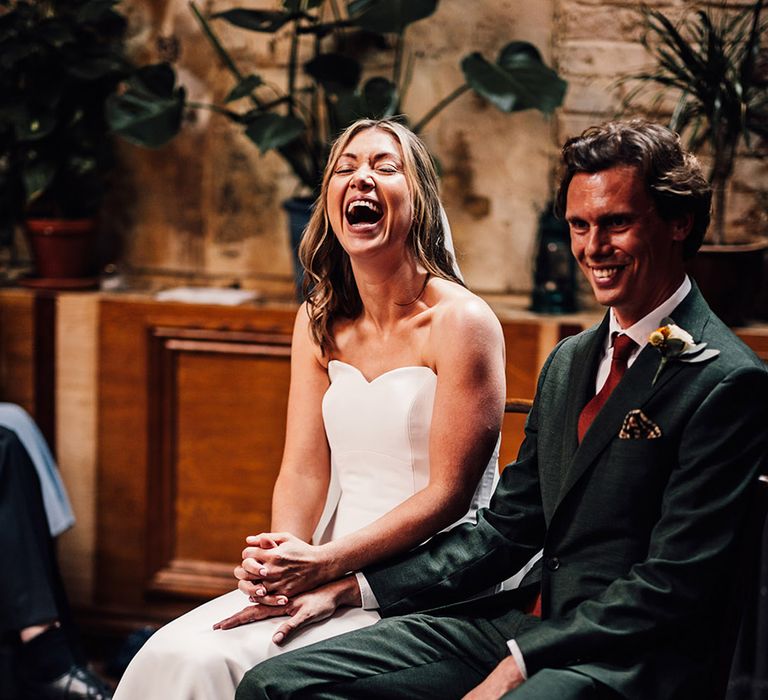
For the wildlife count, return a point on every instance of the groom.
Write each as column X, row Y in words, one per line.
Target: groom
column 634, row 478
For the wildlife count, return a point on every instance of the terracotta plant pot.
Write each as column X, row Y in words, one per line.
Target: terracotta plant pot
column 62, row 249
column 729, row 277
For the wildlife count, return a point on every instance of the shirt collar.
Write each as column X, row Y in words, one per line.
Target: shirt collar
column 640, row 331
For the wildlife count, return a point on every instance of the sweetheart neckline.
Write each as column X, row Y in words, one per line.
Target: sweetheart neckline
column 383, row 374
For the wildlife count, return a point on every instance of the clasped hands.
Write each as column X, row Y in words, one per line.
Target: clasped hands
column 278, row 573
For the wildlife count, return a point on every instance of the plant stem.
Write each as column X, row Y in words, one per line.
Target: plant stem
column 398, row 66
column 439, row 107
column 222, row 53
column 292, row 61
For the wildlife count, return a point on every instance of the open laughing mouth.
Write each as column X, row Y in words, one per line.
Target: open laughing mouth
column 363, row 211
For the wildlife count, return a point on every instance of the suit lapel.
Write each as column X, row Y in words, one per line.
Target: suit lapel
column 633, row 391
column 582, row 385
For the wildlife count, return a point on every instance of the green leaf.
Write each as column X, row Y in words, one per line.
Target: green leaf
column 255, row 20
column 334, row 71
column 37, row 176
column 14, row 52
column 96, row 11
column 344, row 108
column 294, row 6
column 268, row 130
column 381, row 98
column 389, row 15
column 519, row 81
column 244, row 87
column 518, row 54
column 90, row 69
column 34, row 125
column 149, row 112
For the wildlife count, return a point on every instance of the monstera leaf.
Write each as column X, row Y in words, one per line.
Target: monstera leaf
column 518, row 80
column 389, row 15
column 334, row 71
column 256, row 20
column 269, row 130
column 149, row 112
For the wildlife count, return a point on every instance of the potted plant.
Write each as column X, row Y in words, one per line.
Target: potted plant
column 714, row 63
column 323, row 95
column 59, row 62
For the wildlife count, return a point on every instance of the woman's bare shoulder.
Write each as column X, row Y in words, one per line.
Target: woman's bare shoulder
column 458, row 310
column 303, row 342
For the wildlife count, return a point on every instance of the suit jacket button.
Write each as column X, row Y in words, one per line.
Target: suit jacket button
column 553, row 563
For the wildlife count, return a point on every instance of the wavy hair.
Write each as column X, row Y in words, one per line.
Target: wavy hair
column 329, row 285
column 673, row 176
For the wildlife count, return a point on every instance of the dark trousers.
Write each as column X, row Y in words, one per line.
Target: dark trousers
column 417, row 656
column 31, row 589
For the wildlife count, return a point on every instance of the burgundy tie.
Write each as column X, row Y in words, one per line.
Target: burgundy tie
column 622, row 349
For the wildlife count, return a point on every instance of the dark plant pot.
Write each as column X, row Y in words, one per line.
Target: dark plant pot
column 729, row 277
column 63, row 249
column 299, row 211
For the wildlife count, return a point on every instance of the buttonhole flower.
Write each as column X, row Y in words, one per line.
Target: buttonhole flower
column 674, row 343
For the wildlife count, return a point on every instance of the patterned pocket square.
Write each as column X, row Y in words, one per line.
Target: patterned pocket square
column 637, row 426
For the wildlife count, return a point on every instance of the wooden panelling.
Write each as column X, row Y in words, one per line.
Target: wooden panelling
column 528, row 344
column 191, row 424
column 220, row 398
column 757, row 339
column 77, row 319
column 522, row 351
column 17, row 348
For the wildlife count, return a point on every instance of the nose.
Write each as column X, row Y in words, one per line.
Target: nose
column 363, row 179
column 598, row 243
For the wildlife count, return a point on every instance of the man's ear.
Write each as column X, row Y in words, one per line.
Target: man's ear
column 681, row 226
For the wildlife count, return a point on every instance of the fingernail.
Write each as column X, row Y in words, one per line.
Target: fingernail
column 282, row 601
column 263, row 571
column 261, row 591
column 216, row 626
column 278, row 638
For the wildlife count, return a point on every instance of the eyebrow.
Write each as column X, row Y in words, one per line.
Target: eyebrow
column 378, row 156
column 603, row 218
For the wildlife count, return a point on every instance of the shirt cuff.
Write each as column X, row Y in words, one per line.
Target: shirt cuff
column 517, row 655
column 366, row 593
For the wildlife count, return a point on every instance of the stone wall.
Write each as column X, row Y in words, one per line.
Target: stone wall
column 207, row 207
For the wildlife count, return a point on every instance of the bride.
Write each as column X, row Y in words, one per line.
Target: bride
column 394, row 412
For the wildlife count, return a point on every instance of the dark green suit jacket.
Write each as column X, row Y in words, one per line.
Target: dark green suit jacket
column 638, row 534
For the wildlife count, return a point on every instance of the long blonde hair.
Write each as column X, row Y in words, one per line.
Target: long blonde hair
column 329, row 285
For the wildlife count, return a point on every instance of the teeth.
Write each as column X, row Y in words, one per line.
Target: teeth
column 363, row 203
column 604, row 273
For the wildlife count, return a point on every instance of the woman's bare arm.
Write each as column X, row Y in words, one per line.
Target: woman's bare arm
column 302, row 484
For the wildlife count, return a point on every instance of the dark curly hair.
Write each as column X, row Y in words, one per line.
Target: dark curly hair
column 672, row 175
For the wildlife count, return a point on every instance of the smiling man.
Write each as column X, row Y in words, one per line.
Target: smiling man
column 634, row 478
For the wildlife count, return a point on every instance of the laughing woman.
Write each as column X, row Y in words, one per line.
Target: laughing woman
column 395, row 406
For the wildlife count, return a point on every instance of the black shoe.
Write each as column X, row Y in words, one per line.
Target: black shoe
column 76, row 684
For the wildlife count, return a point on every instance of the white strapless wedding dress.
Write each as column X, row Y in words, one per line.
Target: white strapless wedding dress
column 378, row 432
